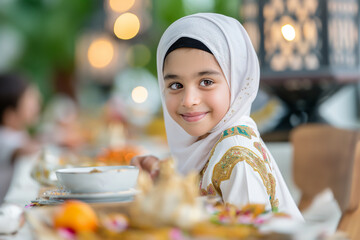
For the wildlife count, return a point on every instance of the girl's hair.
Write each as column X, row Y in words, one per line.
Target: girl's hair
column 186, row 42
column 12, row 87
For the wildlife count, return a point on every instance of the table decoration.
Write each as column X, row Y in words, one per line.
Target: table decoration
column 168, row 208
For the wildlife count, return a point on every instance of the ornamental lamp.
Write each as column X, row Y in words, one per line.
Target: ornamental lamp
column 307, row 50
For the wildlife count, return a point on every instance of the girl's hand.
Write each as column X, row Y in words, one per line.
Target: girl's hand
column 147, row 163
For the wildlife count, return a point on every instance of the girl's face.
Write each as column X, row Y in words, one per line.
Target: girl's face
column 197, row 95
column 29, row 106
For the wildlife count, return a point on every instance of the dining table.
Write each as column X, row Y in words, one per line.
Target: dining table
column 24, row 189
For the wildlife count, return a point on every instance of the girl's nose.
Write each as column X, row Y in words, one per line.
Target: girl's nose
column 190, row 98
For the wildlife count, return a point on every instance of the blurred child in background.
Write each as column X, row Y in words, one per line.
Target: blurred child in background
column 19, row 109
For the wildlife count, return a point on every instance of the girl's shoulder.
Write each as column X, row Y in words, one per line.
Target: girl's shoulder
column 241, row 135
column 235, row 145
column 239, row 149
column 240, row 144
column 240, row 130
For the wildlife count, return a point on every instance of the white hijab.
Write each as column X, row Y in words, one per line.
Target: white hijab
column 232, row 48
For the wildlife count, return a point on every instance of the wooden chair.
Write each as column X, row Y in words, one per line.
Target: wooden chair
column 350, row 220
column 329, row 157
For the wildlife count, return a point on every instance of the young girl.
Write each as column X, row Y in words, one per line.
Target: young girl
column 19, row 109
column 208, row 74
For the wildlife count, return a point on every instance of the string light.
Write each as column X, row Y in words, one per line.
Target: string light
column 288, row 32
column 121, row 5
column 100, row 53
column 139, row 94
column 127, row 26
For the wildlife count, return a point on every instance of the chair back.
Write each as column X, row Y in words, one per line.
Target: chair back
column 350, row 220
column 323, row 157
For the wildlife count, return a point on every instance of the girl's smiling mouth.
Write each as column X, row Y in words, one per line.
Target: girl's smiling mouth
column 193, row 116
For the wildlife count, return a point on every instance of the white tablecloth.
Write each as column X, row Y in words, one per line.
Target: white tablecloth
column 22, row 190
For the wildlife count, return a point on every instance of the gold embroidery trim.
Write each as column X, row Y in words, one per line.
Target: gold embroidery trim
column 243, row 130
column 237, row 130
column 223, row 169
column 263, row 152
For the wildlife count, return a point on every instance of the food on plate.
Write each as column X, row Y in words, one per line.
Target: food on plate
column 172, row 201
column 118, row 156
column 77, row 216
column 115, row 222
column 95, row 170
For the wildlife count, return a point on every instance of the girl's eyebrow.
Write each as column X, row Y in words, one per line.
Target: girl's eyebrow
column 208, row 72
column 170, row 77
column 199, row 74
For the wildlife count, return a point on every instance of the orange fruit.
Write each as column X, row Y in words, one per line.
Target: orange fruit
column 76, row 215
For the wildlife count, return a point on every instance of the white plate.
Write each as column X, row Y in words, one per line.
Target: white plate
column 122, row 196
column 98, row 179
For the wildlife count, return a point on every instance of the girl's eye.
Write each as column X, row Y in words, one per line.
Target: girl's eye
column 206, row 83
column 175, row 86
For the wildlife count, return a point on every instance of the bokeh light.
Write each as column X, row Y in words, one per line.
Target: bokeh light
column 127, row 26
column 138, row 55
column 121, row 5
column 131, row 86
column 288, row 32
column 139, row 94
column 100, row 53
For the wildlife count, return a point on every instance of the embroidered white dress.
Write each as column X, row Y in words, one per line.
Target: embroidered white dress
column 241, row 170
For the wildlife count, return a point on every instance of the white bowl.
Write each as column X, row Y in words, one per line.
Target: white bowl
column 98, row 179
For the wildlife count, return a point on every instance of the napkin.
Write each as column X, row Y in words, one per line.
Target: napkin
column 324, row 209
column 321, row 217
column 321, row 220
column 11, row 218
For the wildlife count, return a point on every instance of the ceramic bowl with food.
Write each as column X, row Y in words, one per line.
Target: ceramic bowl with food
column 98, row 179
